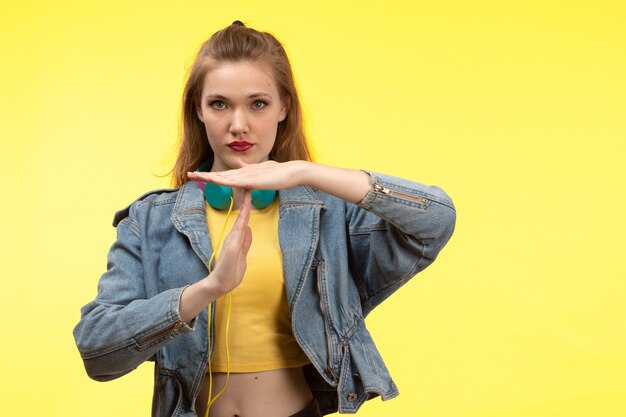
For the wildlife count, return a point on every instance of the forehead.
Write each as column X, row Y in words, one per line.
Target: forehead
column 232, row 79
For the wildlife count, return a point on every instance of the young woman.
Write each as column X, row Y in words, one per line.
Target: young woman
column 277, row 317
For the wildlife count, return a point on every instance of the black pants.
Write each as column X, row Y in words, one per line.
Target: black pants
column 310, row 410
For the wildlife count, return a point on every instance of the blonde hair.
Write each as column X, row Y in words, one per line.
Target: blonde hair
column 238, row 43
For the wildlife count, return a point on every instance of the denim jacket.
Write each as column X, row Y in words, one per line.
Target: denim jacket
column 340, row 261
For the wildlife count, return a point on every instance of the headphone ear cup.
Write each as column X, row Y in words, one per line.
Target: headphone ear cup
column 262, row 198
column 218, row 196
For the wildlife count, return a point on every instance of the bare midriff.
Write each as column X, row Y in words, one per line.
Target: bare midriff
column 275, row 393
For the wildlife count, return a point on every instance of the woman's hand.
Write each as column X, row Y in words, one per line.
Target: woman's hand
column 229, row 268
column 268, row 175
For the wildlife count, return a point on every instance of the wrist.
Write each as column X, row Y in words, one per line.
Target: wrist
column 305, row 173
column 211, row 288
column 195, row 297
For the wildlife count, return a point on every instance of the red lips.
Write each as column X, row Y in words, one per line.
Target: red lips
column 240, row 145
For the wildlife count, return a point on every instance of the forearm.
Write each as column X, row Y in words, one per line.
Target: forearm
column 423, row 212
column 348, row 184
column 196, row 297
column 113, row 339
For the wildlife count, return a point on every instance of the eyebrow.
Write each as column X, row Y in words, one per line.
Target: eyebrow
column 221, row 97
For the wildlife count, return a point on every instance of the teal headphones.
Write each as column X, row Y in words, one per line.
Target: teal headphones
column 218, row 196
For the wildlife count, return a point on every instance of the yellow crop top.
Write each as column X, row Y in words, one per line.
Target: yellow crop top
column 260, row 337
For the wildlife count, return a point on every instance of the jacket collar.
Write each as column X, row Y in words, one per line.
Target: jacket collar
column 189, row 218
column 189, row 214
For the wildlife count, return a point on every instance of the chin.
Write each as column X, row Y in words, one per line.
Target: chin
column 253, row 160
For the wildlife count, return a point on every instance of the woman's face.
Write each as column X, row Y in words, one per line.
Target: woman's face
column 240, row 107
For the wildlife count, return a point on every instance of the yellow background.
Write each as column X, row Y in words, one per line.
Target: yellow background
column 517, row 109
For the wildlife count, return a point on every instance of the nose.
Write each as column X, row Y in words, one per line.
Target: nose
column 239, row 123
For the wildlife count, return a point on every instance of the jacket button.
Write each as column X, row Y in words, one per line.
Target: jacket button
column 352, row 396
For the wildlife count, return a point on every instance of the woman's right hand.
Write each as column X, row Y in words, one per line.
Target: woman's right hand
column 231, row 264
column 229, row 268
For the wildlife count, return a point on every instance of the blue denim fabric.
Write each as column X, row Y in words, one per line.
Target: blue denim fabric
column 340, row 261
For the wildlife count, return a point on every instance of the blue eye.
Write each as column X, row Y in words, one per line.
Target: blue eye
column 259, row 104
column 217, row 104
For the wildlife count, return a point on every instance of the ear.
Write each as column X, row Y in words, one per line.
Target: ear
column 284, row 110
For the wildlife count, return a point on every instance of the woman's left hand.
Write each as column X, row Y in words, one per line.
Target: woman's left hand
column 268, row 175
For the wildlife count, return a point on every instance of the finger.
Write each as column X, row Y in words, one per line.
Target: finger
column 215, row 178
column 247, row 240
column 211, row 176
column 246, row 204
column 200, row 176
column 244, row 212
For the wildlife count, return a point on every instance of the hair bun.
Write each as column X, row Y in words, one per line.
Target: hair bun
column 238, row 23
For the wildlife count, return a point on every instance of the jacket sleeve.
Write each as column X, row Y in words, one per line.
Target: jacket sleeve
column 396, row 231
column 122, row 328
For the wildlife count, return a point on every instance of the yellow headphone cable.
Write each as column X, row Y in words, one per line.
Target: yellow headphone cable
column 210, row 400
